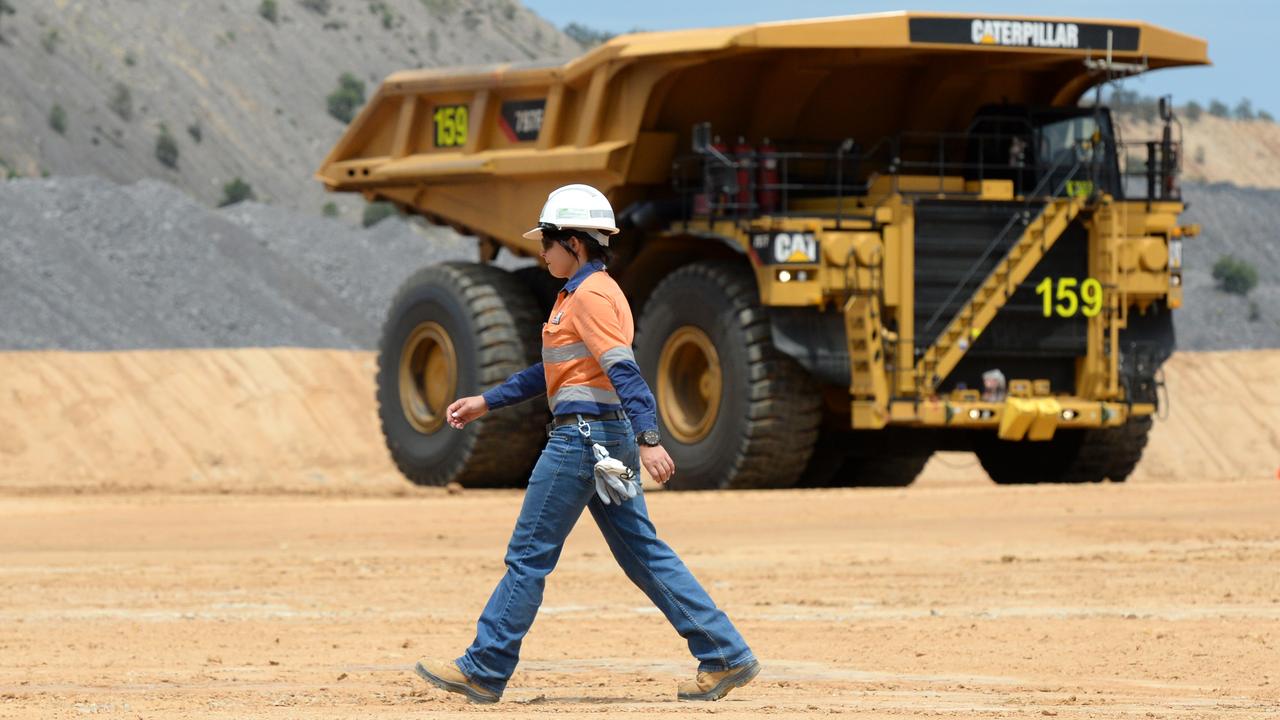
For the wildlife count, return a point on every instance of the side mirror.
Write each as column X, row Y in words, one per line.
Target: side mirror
column 1166, row 107
column 701, row 137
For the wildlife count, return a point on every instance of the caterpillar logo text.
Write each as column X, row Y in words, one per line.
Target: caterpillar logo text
column 798, row 247
column 1023, row 33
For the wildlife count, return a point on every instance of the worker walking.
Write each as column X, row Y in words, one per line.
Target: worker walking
column 605, row 425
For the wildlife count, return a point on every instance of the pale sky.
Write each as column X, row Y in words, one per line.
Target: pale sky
column 1242, row 34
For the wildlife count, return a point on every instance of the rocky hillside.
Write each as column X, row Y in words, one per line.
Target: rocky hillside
column 240, row 86
column 1243, row 223
column 1245, row 153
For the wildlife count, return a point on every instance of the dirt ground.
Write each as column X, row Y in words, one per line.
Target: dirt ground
column 946, row 600
column 219, row 535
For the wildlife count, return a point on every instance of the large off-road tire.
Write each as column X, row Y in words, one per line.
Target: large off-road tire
column 542, row 285
column 733, row 411
column 1070, row 457
column 453, row 330
column 880, row 470
column 862, row 459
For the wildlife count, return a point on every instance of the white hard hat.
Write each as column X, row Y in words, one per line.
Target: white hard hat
column 577, row 207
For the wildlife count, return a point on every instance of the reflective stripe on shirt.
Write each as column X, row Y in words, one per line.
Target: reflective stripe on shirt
column 615, row 355
column 565, row 353
column 570, row 393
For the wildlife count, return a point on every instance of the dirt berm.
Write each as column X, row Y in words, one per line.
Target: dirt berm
column 293, row 420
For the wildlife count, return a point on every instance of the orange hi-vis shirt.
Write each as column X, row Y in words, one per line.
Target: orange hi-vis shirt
column 588, row 366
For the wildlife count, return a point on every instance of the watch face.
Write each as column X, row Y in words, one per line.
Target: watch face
column 649, row 437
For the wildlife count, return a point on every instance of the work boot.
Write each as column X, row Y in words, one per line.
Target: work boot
column 715, row 685
column 447, row 676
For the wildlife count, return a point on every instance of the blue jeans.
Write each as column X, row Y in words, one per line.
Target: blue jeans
column 561, row 485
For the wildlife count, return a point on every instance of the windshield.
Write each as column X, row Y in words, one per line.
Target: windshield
column 1064, row 141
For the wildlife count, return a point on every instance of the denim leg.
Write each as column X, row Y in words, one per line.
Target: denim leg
column 552, row 505
column 656, row 569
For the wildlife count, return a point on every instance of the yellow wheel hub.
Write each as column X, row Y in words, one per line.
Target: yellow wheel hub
column 428, row 377
column 689, row 384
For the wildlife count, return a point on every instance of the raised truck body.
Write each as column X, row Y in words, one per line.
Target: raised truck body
column 850, row 242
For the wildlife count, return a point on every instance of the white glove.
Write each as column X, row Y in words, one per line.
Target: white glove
column 615, row 483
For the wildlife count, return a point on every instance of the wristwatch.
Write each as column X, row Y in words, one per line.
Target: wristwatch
column 649, row 438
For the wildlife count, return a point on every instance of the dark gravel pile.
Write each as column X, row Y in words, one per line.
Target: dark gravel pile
column 1245, row 223
column 91, row 265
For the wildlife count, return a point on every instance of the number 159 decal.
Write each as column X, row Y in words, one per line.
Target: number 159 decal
column 1072, row 296
column 451, row 125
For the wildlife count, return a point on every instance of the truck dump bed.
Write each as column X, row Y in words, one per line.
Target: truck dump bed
column 478, row 148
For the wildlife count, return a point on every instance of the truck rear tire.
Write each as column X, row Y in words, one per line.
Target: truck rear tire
column 853, row 459
column 733, row 411
column 453, row 330
column 1070, row 457
column 880, row 471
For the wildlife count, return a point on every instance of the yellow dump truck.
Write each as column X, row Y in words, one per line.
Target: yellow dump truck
column 851, row 242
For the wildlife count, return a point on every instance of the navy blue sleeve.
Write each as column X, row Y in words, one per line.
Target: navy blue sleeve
column 528, row 383
column 634, row 393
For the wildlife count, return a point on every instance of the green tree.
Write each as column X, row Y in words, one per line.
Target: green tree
column 58, row 119
column 166, row 148
column 1265, row 116
column 236, row 191
column 349, row 96
column 1218, row 109
column 587, row 36
column 1244, row 109
column 1234, row 275
column 1192, row 111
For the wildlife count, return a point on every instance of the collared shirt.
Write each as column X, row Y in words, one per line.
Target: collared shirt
column 587, row 363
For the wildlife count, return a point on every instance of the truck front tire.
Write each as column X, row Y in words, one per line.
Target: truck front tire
column 733, row 411
column 454, row 330
column 1081, row 456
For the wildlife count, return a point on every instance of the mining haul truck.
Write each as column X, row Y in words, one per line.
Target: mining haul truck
column 850, row 242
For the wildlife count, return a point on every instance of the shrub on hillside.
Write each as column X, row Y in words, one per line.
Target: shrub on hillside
column 375, row 213
column 1218, row 109
column 58, row 119
column 1234, row 275
column 1265, row 116
column 121, row 102
column 196, row 132
column 50, row 41
column 1244, row 109
column 269, row 11
column 1192, row 111
column 349, row 96
column 166, row 148
column 236, row 191
column 330, row 209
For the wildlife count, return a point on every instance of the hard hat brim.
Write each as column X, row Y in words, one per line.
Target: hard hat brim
column 536, row 233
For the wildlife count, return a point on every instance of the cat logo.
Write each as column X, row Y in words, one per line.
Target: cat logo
column 797, row 247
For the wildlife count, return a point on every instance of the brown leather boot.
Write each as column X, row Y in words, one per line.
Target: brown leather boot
column 446, row 676
column 715, row 685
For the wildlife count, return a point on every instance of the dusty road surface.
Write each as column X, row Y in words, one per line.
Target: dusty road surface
column 955, row 599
